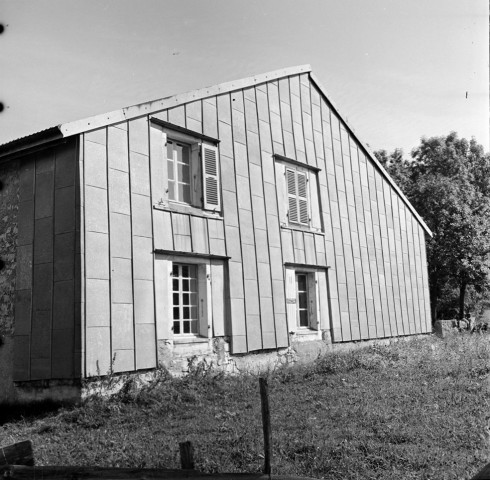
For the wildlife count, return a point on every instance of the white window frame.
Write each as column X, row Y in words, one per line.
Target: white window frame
column 292, row 305
column 284, row 167
column 193, row 304
column 205, row 181
column 211, row 315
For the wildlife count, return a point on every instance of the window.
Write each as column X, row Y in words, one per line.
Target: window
column 301, row 299
column 190, row 177
column 179, row 171
column 298, row 195
column 185, row 299
column 189, row 297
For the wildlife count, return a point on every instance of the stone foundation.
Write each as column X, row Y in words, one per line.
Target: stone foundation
column 178, row 359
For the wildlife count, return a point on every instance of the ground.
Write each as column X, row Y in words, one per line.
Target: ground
column 411, row 410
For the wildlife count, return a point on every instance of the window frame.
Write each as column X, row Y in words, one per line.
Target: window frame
column 202, row 148
column 312, row 197
column 313, row 300
column 181, row 292
column 211, row 272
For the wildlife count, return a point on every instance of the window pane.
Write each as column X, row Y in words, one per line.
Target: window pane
column 178, row 152
column 185, row 285
column 176, row 299
column 176, row 328
column 184, row 193
column 301, row 279
column 185, row 157
column 302, row 300
column 187, row 327
column 185, row 299
column 193, row 326
column 183, row 173
column 185, row 270
column 176, row 313
column 193, row 312
column 170, row 170
column 175, row 284
column 186, row 313
column 170, row 150
column 303, row 318
column 175, row 270
column 193, row 298
column 171, row 190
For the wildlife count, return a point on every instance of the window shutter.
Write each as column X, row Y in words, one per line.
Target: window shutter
column 158, row 161
column 292, row 196
column 312, row 302
column 291, row 306
column 281, row 193
column 302, row 199
column 210, row 169
column 203, row 294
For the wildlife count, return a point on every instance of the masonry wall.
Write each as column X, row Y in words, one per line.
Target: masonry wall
column 376, row 285
column 9, row 204
column 46, row 335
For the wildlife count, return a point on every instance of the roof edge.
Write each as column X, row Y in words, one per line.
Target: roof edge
column 371, row 155
column 23, row 144
column 127, row 113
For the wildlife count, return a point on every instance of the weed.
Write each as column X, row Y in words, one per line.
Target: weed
column 409, row 410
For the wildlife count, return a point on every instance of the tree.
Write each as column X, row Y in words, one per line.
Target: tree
column 448, row 183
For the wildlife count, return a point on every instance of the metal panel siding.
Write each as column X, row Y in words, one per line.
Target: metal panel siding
column 45, row 291
column 145, row 346
column 98, row 356
column 95, row 159
column 140, row 173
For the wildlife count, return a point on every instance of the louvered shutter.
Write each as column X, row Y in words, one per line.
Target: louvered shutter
column 302, row 199
column 291, row 306
column 292, row 195
column 210, row 174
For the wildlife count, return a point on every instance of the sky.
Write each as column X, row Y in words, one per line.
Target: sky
column 397, row 70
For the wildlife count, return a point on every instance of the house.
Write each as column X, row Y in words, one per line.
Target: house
column 244, row 217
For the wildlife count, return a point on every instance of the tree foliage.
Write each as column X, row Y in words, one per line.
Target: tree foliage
column 448, row 182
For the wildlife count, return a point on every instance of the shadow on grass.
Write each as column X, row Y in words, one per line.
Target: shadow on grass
column 10, row 413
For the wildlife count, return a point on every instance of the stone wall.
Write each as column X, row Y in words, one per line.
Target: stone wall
column 9, row 205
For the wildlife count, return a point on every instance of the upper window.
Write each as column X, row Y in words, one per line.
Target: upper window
column 190, row 174
column 179, row 171
column 298, row 195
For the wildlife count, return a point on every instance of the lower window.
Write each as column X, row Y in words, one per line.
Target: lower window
column 302, row 300
column 185, row 297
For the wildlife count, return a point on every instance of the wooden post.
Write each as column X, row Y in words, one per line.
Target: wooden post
column 266, row 423
column 186, row 455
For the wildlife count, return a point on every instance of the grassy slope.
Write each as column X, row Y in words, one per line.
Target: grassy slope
column 411, row 410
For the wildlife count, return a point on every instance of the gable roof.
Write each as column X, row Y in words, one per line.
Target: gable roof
column 98, row 121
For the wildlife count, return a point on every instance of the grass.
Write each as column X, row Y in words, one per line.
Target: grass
column 411, row 410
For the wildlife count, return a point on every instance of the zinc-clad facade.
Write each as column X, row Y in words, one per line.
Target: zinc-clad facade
column 310, row 239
